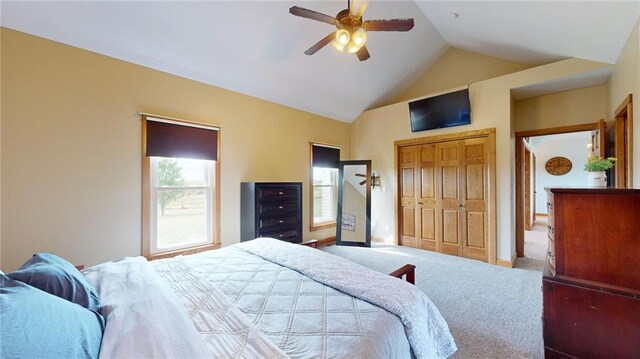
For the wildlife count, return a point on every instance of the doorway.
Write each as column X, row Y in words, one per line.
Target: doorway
column 526, row 216
column 562, row 160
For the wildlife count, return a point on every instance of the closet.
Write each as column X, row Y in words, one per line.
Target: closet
column 446, row 194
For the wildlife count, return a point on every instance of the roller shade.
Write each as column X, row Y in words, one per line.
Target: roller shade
column 181, row 141
column 323, row 156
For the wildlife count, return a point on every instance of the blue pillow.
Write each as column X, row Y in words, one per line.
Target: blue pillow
column 36, row 324
column 56, row 276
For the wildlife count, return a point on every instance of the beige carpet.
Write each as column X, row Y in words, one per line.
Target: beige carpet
column 492, row 312
column 535, row 246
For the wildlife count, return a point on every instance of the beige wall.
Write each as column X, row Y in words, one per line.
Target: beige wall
column 583, row 105
column 625, row 80
column 71, row 148
column 458, row 67
column 375, row 131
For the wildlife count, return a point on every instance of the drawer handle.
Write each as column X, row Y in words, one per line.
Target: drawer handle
column 281, row 221
column 281, row 193
column 550, row 255
column 280, row 207
column 280, row 235
column 551, row 229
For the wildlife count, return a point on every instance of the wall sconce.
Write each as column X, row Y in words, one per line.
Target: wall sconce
column 375, row 180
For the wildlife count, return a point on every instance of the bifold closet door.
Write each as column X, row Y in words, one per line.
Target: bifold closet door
column 407, row 175
column 474, row 190
column 418, row 196
column 449, row 200
column 443, row 195
column 427, row 199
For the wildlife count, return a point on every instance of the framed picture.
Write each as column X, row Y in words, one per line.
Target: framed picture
column 348, row 222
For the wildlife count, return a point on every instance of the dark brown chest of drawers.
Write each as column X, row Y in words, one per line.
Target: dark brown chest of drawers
column 591, row 282
column 271, row 209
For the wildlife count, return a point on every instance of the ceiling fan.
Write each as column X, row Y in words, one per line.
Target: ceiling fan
column 351, row 33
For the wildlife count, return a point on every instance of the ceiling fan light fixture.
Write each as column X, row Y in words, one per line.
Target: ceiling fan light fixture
column 358, row 39
column 338, row 46
column 342, row 37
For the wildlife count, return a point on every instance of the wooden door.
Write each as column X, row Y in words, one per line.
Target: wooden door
column 427, row 200
column 446, row 201
column 527, row 189
column 449, row 201
column 535, row 192
column 474, row 193
column 624, row 144
column 621, row 151
column 407, row 158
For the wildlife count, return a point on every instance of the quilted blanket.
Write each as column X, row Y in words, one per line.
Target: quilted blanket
column 304, row 318
column 425, row 327
column 226, row 332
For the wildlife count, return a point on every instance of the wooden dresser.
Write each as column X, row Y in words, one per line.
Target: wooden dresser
column 591, row 281
column 271, row 209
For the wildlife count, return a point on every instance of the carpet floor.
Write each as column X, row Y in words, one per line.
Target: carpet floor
column 492, row 312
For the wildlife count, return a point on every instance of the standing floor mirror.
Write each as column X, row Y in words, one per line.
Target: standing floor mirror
column 354, row 203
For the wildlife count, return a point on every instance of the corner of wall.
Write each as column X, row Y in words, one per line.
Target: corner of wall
column 625, row 80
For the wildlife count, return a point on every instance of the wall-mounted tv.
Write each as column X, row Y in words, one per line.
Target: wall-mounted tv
column 447, row 110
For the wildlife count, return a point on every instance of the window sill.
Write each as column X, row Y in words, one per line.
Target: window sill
column 318, row 227
column 184, row 251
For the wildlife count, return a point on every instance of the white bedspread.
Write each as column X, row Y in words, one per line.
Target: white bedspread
column 227, row 332
column 426, row 329
column 304, row 318
column 164, row 311
column 144, row 317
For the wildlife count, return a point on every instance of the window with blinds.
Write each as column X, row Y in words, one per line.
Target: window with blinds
column 324, row 185
column 180, row 164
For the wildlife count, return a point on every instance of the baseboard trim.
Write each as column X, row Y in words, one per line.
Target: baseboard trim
column 507, row 264
column 327, row 241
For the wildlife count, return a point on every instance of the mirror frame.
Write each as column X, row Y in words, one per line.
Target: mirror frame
column 339, row 241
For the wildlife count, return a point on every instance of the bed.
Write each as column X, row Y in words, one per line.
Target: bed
column 263, row 299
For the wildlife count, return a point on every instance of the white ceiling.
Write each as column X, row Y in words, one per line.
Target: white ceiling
column 256, row 47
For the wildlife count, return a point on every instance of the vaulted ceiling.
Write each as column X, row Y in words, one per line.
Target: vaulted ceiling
column 257, row 47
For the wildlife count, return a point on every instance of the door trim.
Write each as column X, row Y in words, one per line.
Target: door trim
column 624, row 117
column 527, row 189
column 490, row 133
column 519, row 208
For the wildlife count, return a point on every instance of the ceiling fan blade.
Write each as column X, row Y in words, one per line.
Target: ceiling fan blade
column 360, row 175
column 388, row 25
column 313, row 15
column 320, row 44
column 363, row 54
column 363, row 182
column 358, row 7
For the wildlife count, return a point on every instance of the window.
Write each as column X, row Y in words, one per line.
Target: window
column 182, row 203
column 324, row 185
column 180, row 172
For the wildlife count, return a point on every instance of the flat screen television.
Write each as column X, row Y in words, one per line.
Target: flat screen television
column 447, row 110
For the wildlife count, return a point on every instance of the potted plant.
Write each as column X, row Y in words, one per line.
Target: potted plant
column 596, row 167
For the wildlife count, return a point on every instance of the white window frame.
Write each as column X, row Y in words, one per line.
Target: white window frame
column 210, row 200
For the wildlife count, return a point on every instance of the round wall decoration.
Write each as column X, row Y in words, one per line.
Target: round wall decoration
column 558, row 166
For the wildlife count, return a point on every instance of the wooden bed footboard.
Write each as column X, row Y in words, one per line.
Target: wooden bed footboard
column 408, row 270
